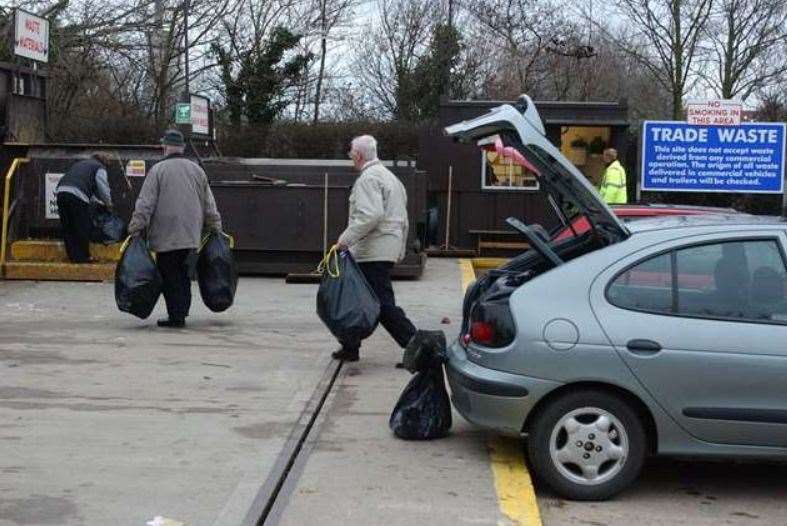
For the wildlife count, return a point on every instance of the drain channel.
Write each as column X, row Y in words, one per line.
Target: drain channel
column 270, row 491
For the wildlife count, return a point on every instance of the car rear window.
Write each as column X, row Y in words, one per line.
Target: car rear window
column 646, row 286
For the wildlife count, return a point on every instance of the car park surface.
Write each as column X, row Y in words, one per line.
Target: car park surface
column 106, row 419
column 86, row 439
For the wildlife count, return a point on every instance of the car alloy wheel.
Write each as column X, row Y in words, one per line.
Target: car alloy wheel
column 589, row 446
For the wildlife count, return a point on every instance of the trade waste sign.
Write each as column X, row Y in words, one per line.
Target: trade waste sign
column 682, row 157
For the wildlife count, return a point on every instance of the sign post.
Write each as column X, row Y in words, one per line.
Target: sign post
column 744, row 158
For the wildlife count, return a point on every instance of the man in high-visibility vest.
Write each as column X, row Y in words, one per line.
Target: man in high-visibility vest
column 613, row 184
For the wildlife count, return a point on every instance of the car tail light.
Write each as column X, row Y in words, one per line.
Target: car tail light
column 482, row 332
column 491, row 324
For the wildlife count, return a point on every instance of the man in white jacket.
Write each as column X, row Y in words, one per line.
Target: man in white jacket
column 376, row 235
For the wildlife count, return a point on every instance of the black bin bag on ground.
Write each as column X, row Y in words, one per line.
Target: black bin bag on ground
column 137, row 279
column 346, row 303
column 217, row 273
column 107, row 228
column 425, row 350
column 423, row 411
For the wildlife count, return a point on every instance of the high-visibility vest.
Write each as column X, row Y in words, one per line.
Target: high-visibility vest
column 613, row 184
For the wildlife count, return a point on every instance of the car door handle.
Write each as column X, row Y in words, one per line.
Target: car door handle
column 643, row 346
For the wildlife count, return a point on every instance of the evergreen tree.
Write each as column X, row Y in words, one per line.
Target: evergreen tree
column 256, row 83
column 434, row 75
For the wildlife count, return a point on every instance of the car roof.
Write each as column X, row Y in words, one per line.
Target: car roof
column 711, row 220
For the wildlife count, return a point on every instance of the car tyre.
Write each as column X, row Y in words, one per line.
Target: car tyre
column 587, row 445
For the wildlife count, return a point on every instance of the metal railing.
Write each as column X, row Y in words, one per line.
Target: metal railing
column 7, row 209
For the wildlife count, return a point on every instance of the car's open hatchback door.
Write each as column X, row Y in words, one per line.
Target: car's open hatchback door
column 517, row 135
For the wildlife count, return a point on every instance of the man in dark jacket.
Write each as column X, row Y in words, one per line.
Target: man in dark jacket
column 174, row 206
column 84, row 182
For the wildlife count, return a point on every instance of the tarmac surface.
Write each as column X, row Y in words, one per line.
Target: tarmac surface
column 695, row 493
column 105, row 419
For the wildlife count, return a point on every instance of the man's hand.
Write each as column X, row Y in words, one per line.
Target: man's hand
column 341, row 247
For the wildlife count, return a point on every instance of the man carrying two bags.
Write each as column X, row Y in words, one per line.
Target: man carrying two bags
column 174, row 205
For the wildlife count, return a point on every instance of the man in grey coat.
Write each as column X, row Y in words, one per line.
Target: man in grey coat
column 376, row 235
column 175, row 205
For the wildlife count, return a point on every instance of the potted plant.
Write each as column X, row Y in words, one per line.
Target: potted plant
column 579, row 151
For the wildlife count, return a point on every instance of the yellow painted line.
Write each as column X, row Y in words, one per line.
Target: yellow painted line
column 468, row 273
column 489, row 263
column 515, row 493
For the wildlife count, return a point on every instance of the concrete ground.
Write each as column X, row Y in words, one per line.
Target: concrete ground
column 695, row 493
column 105, row 419
column 356, row 472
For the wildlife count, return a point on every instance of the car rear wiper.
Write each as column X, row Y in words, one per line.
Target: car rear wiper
column 535, row 241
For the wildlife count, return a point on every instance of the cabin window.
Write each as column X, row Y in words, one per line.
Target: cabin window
column 503, row 174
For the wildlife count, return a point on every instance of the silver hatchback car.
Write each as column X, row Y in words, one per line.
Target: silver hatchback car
column 664, row 336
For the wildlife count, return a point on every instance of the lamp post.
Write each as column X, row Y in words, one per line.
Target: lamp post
column 186, row 5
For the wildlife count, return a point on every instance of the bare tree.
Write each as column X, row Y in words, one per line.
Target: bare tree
column 387, row 54
column 748, row 43
column 329, row 14
column 665, row 38
column 773, row 104
column 523, row 32
column 165, row 50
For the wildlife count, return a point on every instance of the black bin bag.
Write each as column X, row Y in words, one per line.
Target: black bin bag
column 346, row 303
column 425, row 350
column 217, row 273
column 107, row 228
column 137, row 279
column 423, row 411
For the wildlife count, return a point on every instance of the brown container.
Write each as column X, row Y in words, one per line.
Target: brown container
column 275, row 209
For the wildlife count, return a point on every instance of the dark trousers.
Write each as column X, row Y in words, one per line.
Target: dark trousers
column 76, row 222
column 174, row 269
column 393, row 318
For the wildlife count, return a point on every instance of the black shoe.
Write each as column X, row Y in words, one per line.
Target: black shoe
column 173, row 324
column 345, row 355
column 399, row 365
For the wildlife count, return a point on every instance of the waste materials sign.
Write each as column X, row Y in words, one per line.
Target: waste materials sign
column 50, row 198
column 681, row 157
column 200, row 115
column 31, row 36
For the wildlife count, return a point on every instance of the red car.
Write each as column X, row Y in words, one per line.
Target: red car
column 633, row 212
